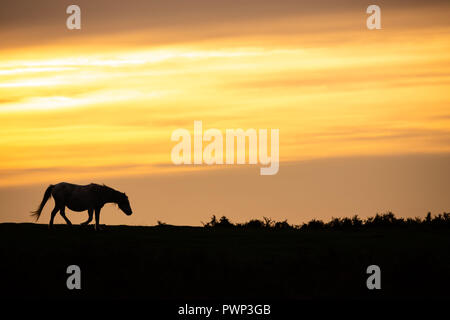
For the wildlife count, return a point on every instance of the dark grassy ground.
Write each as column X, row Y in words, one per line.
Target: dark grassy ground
column 167, row 262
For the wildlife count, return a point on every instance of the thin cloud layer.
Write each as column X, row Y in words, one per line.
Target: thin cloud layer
column 109, row 95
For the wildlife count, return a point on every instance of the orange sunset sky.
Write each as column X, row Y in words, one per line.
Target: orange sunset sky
column 363, row 115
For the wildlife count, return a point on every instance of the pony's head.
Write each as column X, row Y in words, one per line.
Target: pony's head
column 124, row 204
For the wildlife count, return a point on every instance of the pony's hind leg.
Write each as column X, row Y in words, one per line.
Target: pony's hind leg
column 52, row 216
column 62, row 211
column 90, row 213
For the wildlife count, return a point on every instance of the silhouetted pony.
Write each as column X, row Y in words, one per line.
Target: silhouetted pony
column 91, row 197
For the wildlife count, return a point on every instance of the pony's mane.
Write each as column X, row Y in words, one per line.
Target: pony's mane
column 111, row 191
column 107, row 188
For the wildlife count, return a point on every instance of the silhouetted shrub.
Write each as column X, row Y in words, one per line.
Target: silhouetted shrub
column 268, row 222
column 428, row 218
column 282, row 225
column 222, row 223
column 254, row 224
column 386, row 220
column 356, row 221
column 313, row 225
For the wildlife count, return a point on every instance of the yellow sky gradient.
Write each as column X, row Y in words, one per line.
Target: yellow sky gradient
column 100, row 104
column 107, row 102
column 378, row 94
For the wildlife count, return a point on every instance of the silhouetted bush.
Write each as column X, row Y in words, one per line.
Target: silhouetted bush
column 255, row 223
column 313, row 225
column 386, row 220
column 222, row 223
column 282, row 225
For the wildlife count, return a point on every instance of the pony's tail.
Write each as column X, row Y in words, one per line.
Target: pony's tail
column 47, row 195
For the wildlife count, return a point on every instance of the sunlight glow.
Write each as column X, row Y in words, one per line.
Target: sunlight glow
column 380, row 93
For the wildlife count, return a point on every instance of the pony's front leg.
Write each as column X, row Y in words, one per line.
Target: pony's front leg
column 90, row 213
column 97, row 219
